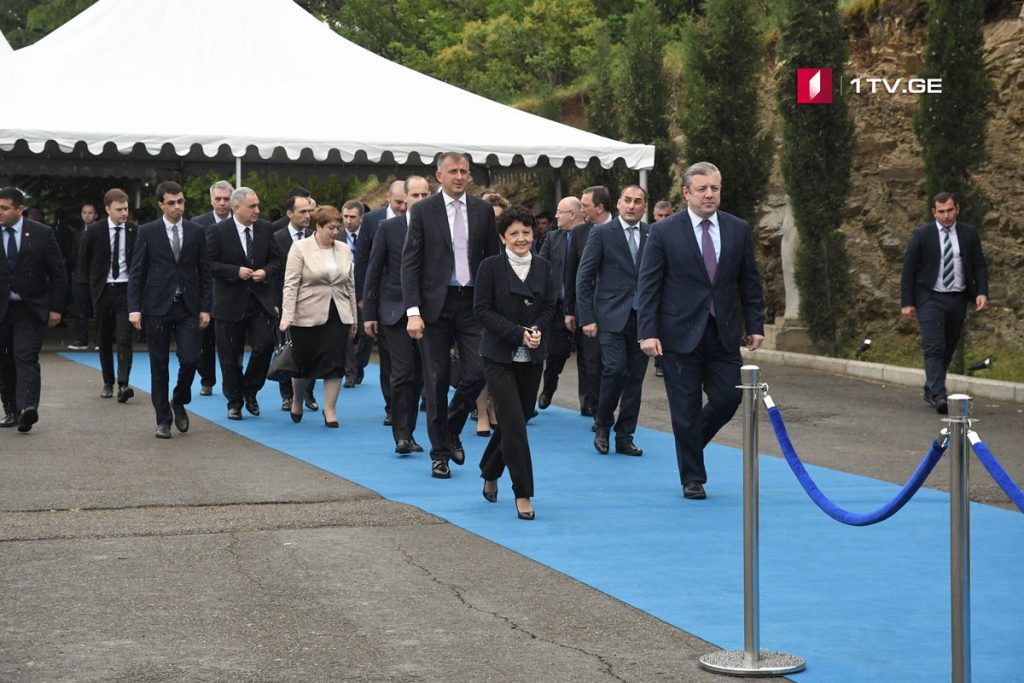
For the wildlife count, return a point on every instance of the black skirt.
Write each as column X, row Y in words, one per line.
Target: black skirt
column 320, row 351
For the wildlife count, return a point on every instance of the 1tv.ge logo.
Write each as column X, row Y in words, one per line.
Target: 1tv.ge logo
column 814, row 86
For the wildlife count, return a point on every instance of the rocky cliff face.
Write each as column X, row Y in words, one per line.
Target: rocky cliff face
column 888, row 199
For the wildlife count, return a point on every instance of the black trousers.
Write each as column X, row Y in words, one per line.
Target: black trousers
column 183, row 327
column 208, row 356
column 455, row 326
column 622, row 379
column 259, row 326
column 559, row 350
column 710, row 368
column 81, row 306
column 406, row 378
column 941, row 319
column 357, row 351
column 21, row 339
column 513, row 388
column 384, row 354
column 112, row 325
column 588, row 367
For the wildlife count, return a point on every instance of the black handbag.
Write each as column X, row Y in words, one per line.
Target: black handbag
column 282, row 366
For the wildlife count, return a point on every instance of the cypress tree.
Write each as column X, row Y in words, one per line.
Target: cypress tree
column 817, row 152
column 951, row 125
column 718, row 104
column 646, row 95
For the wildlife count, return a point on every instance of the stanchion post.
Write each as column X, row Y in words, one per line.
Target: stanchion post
column 960, row 536
column 751, row 660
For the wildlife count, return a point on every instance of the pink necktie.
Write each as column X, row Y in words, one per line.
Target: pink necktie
column 707, row 246
column 460, row 243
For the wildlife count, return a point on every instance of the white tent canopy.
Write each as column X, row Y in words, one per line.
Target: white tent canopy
column 128, row 75
column 5, row 47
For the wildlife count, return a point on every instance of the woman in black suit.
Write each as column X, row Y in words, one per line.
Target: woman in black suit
column 514, row 301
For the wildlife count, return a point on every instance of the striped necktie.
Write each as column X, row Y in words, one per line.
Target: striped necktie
column 948, row 276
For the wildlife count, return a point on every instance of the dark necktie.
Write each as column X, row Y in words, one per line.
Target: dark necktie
column 298, row 236
column 707, row 247
column 248, row 244
column 12, row 247
column 115, row 254
column 355, row 243
column 175, row 242
column 948, row 276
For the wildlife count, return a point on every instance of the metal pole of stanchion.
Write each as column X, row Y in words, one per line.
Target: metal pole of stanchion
column 751, row 660
column 960, row 536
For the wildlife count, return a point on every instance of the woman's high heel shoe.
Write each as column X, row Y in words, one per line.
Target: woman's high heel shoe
column 491, row 496
column 524, row 515
column 333, row 424
column 296, row 417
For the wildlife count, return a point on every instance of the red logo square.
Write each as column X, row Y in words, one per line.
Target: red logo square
column 814, row 86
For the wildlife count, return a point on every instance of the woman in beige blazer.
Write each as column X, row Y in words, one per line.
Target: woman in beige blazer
column 319, row 307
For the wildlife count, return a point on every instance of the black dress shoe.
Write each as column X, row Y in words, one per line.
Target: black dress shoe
column 163, row 432
column 252, row 405
column 659, row 371
column 286, row 405
column 586, row 411
column 439, row 470
column 107, row 391
column 387, row 420
column 491, row 496
column 234, row 413
column 694, row 491
column 403, row 447
column 927, row 396
column 544, row 400
column 627, row 447
column 333, row 424
column 359, row 377
column 601, row 440
column 10, row 420
column 124, row 393
column 941, row 407
column 416, row 448
column 206, row 390
column 458, row 452
column 28, row 417
column 180, row 417
column 350, row 382
column 310, row 402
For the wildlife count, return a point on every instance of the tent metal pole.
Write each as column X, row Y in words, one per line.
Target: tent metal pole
column 238, row 171
column 558, row 185
column 643, row 184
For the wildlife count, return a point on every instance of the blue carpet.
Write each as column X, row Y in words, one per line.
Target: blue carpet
column 857, row 603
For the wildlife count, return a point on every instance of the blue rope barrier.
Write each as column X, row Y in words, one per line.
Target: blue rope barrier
column 996, row 470
column 827, row 506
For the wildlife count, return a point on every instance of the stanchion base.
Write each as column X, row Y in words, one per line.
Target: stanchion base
column 770, row 663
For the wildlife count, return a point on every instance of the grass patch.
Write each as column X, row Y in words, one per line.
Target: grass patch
column 905, row 351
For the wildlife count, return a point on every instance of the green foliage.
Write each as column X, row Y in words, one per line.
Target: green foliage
column 26, row 21
column 951, row 125
column 272, row 189
column 645, row 97
column 817, row 153
column 718, row 105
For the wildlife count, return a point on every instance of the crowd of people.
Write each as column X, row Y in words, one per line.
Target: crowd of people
column 457, row 290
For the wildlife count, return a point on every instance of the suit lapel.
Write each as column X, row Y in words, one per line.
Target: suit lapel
column 441, row 208
column 690, row 242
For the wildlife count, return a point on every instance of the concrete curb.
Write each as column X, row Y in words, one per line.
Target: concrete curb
column 975, row 387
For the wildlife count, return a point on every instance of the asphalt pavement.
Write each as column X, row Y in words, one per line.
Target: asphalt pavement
column 212, row 558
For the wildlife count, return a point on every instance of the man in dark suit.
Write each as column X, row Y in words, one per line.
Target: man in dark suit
column 449, row 234
column 220, row 201
column 70, row 239
column 557, row 244
column 170, row 284
column 597, row 204
column 384, row 314
column 245, row 266
column 359, row 347
column 606, row 298
column 396, row 206
column 33, row 283
column 296, row 191
column 944, row 269
column 103, row 261
column 299, row 210
column 698, row 284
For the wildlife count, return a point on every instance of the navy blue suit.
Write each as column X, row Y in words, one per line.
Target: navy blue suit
column 554, row 250
column 383, row 303
column 605, row 294
column 170, row 295
column 39, row 277
column 208, row 355
column 701, row 351
column 940, row 315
